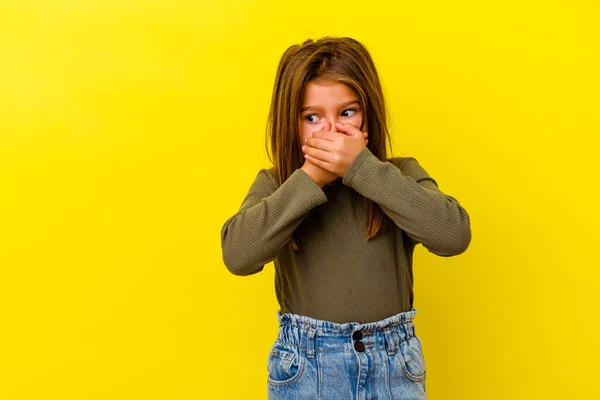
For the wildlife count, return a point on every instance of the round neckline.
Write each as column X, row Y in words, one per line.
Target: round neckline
column 334, row 182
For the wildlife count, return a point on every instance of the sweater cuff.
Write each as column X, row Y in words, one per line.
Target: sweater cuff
column 360, row 158
column 309, row 190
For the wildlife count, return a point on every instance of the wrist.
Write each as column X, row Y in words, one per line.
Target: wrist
column 315, row 180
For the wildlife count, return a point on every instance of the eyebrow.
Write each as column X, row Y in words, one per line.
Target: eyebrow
column 341, row 105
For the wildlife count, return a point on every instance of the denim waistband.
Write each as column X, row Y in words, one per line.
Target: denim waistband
column 311, row 335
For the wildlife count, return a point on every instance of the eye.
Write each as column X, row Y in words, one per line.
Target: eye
column 308, row 118
column 352, row 110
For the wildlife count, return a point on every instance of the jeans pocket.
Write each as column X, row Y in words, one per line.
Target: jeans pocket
column 412, row 360
column 285, row 364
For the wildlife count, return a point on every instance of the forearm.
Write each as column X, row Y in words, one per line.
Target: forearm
column 419, row 208
column 256, row 234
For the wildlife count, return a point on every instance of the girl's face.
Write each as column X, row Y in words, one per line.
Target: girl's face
column 328, row 101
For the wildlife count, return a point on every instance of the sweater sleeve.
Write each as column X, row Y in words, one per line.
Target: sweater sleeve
column 266, row 220
column 412, row 199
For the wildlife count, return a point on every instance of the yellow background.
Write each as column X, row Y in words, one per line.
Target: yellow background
column 131, row 130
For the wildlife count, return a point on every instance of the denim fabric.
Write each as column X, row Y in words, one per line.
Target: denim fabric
column 317, row 359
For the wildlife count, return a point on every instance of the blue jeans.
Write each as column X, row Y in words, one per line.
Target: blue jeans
column 317, row 359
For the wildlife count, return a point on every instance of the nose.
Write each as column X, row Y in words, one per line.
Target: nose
column 329, row 126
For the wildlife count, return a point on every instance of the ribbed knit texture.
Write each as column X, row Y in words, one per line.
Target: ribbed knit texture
column 337, row 275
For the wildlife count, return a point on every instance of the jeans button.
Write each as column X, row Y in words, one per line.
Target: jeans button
column 357, row 335
column 359, row 346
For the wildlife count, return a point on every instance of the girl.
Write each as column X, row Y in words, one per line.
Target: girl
column 343, row 267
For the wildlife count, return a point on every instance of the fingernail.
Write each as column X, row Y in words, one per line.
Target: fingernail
column 303, row 147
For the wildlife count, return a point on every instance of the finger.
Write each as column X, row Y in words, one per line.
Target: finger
column 348, row 129
column 316, row 154
column 320, row 143
column 319, row 163
column 327, row 135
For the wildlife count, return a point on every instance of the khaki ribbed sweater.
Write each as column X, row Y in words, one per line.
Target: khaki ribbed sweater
column 337, row 275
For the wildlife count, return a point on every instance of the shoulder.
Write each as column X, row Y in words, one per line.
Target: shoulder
column 411, row 167
column 267, row 175
column 401, row 161
column 406, row 164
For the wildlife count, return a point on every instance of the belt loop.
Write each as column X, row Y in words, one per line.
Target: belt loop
column 390, row 340
column 310, row 345
column 406, row 331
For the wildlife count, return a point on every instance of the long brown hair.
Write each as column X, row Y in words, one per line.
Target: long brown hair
column 328, row 59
